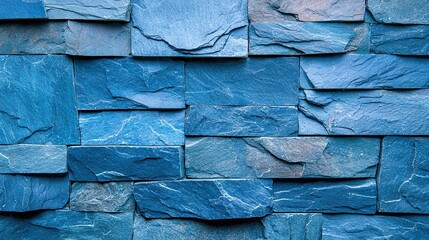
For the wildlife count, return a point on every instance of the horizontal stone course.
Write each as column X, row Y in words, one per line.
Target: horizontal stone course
column 400, row 11
column 22, row 9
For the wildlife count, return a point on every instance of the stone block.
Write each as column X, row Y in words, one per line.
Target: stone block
column 293, row 226
column 400, row 11
column 22, row 9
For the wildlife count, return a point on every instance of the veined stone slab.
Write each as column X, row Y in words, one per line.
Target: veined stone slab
column 376, row 112
column 364, row 71
column 346, row 196
column 33, row 159
column 204, row 199
column 400, row 11
column 241, row 121
column 293, row 226
column 22, row 9
column 129, row 83
column 132, row 127
column 189, row 28
column 115, row 163
column 281, row 157
column 37, row 100
column 250, row 81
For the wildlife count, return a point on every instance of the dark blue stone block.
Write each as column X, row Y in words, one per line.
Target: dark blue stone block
column 22, row 9
column 293, row 226
column 400, row 11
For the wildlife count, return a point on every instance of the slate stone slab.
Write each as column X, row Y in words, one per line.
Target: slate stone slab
column 364, row 71
column 378, row 112
column 306, row 10
column 400, row 11
column 64, row 224
column 115, row 163
column 33, row 159
column 132, row 128
column 301, row 38
column 37, row 100
column 204, row 199
column 241, row 121
column 281, row 157
column 346, row 196
column 189, row 28
column 250, row 81
column 21, row 193
column 400, row 40
column 22, row 9
column 129, row 83
column 293, row 226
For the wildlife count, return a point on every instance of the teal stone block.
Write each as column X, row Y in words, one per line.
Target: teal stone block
column 22, row 9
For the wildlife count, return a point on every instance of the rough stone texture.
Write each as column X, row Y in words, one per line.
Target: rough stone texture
column 33, row 159
column 37, row 100
column 19, row 193
column 189, row 28
column 132, row 127
column 102, row 197
column 22, row 9
column 400, row 11
column 129, row 83
column 364, row 71
column 64, row 224
column 376, row 112
column 301, row 38
column 293, row 226
column 251, row 81
column 405, row 189
column 241, row 121
column 293, row 157
column 114, row 163
column 346, row 196
column 401, row 40
column 204, row 199
column 306, row 10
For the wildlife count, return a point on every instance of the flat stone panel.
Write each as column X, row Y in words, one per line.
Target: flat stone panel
column 293, row 226
column 22, row 9
column 400, row 11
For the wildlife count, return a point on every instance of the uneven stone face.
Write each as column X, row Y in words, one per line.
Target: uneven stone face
column 349, row 196
column 189, row 28
column 251, row 81
column 204, row 199
column 114, row 163
column 293, row 226
column 400, row 11
column 22, row 9
column 291, row 157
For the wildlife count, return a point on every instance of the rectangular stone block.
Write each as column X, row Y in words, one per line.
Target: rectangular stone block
column 347, row 196
column 37, row 100
column 191, row 28
column 115, row 163
column 278, row 157
column 250, row 81
column 400, row 11
column 204, row 199
column 377, row 112
column 132, row 128
column 364, row 71
column 129, row 83
column 241, row 121
column 22, row 9
column 293, row 226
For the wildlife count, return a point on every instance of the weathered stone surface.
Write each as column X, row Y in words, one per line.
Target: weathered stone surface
column 250, row 81
column 102, row 197
column 37, row 100
column 22, row 9
column 290, row 157
column 109, row 10
column 189, row 28
column 241, row 121
column 349, row 196
column 64, row 224
column 403, row 176
column 400, row 11
column 33, row 159
column 293, row 226
column 377, row 112
column 204, row 199
column 300, row 38
column 129, row 83
column 306, row 10
column 401, row 40
column 132, row 127
column 114, row 163
column 364, row 71
column 19, row 193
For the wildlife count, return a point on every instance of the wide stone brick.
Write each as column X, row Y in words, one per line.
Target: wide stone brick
column 400, row 11
column 293, row 226
column 22, row 9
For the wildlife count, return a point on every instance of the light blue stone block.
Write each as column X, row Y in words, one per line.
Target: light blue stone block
column 400, row 11
column 293, row 226
column 22, row 9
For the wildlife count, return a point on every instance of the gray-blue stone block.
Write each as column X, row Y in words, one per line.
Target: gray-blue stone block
column 250, row 81
column 22, row 9
column 241, row 121
column 204, row 199
column 115, row 163
column 129, row 83
column 400, row 11
column 132, row 128
column 293, row 226
column 191, row 28
column 346, row 196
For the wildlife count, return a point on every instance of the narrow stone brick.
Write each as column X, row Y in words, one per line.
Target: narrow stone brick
column 22, row 9
column 400, row 11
